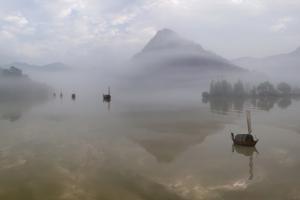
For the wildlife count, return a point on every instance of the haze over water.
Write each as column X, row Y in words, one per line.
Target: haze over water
column 147, row 146
column 158, row 139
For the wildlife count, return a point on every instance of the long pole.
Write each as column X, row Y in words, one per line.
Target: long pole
column 249, row 121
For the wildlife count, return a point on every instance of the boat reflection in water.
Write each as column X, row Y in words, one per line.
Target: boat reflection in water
column 73, row 96
column 108, row 104
column 247, row 152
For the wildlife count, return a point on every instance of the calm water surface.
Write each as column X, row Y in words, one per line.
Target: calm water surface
column 144, row 147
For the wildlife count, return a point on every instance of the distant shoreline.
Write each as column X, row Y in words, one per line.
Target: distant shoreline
column 224, row 89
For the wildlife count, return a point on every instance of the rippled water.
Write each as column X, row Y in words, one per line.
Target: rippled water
column 142, row 147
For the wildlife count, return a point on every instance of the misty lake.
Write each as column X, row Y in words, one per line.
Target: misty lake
column 141, row 147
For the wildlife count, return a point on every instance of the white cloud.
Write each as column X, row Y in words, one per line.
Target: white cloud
column 254, row 7
column 237, row 1
column 122, row 19
column 281, row 24
column 13, row 25
column 68, row 27
column 17, row 20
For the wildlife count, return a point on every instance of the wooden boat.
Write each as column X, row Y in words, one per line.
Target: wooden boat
column 245, row 139
column 107, row 97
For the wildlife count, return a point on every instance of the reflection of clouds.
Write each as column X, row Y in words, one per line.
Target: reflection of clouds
column 188, row 188
column 241, row 184
column 75, row 170
column 74, row 167
column 295, row 194
column 72, row 159
column 11, row 163
column 284, row 157
column 9, row 159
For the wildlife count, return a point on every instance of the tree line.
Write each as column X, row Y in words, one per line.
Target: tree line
column 239, row 89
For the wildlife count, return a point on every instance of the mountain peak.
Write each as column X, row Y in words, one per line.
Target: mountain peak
column 169, row 49
column 167, row 39
column 166, row 32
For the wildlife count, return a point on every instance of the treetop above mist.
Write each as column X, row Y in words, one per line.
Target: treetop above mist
column 12, row 72
column 56, row 66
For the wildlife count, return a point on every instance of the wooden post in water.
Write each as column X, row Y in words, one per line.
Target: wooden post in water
column 249, row 121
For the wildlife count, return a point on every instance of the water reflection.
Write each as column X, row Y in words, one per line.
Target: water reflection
column 78, row 169
column 108, row 104
column 167, row 133
column 13, row 110
column 247, row 152
column 12, row 116
column 18, row 95
column 284, row 102
column 223, row 105
column 153, row 151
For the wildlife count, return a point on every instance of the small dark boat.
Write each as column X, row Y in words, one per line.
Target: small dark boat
column 107, row 97
column 73, row 96
column 245, row 139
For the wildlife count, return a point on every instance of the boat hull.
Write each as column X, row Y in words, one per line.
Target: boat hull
column 106, row 97
column 247, row 144
column 243, row 140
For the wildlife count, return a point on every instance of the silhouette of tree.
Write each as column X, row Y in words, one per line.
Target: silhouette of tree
column 220, row 88
column 266, row 89
column 238, row 89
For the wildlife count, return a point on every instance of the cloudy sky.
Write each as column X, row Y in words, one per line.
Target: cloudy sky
column 77, row 31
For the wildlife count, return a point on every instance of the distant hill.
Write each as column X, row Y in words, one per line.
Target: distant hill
column 171, row 61
column 29, row 67
column 287, row 64
column 169, row 50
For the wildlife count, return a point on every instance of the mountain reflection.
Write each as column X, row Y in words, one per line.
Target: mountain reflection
column 224, row 105
column 166, row 134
